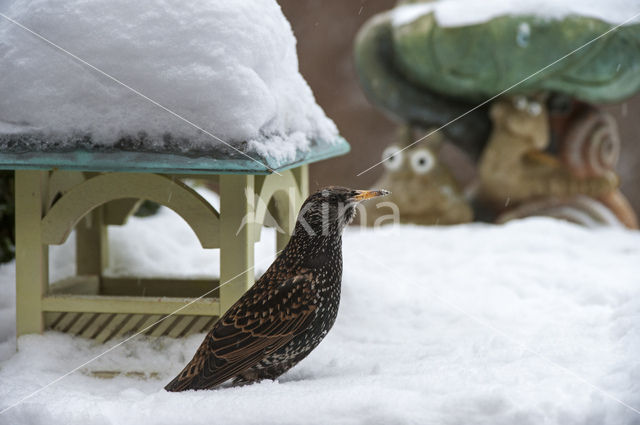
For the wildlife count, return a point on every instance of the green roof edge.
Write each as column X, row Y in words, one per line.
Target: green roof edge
column 141, row 162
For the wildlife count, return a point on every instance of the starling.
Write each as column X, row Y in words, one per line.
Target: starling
column 289, row 310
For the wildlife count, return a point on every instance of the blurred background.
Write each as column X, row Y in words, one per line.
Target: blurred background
column 325, row 31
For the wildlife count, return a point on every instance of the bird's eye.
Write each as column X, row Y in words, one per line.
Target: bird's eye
column 392, row 157
column 520, row 102
column 534, row 108
column 422, row 161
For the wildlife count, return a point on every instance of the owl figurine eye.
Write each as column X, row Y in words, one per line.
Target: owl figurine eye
column 520, row 102
column 422, row 161
column 534, row 108
column 392, row 157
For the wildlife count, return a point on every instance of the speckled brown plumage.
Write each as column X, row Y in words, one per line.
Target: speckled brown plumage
column 289, row 310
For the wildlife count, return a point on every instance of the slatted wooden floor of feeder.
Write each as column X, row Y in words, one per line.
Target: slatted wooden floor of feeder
column 105, row 326
column 153, row 307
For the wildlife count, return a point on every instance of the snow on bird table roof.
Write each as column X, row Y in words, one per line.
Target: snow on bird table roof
column 532, row 322
column 227, row 66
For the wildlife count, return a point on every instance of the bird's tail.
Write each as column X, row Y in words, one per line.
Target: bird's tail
column 177, row 385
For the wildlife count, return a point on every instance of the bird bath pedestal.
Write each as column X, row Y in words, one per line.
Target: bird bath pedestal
column 92, row 189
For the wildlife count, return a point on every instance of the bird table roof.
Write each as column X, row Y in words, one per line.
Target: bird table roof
column 115, row 85
column 28, row 152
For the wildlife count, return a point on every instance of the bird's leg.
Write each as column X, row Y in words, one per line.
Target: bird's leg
column 256, row 374
column 243, row 379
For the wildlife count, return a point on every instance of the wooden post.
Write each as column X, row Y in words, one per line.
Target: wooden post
column 237, row 237
column 32, row 256
column 92, row 245
column 288, row 214
column 301, row 174
column 287, row 211
column 284, row 217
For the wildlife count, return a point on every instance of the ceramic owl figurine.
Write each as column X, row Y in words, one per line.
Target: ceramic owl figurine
column 422, row 188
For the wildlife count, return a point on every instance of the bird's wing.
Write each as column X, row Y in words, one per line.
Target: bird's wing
column 257, row 325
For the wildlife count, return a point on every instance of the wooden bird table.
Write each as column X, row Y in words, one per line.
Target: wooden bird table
column 91, row 189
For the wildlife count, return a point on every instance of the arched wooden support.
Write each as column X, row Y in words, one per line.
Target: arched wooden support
column 61, row 181
column 82, row 199
column 302, row 177
column 286, row 191
column 118, row 212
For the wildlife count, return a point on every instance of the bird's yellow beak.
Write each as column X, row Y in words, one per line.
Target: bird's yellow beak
column 368, row 194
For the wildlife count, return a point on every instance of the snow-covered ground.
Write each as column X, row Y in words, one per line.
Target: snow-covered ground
column 534, row 322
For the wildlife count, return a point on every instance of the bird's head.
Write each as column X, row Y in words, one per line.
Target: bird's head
column 330, row 209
